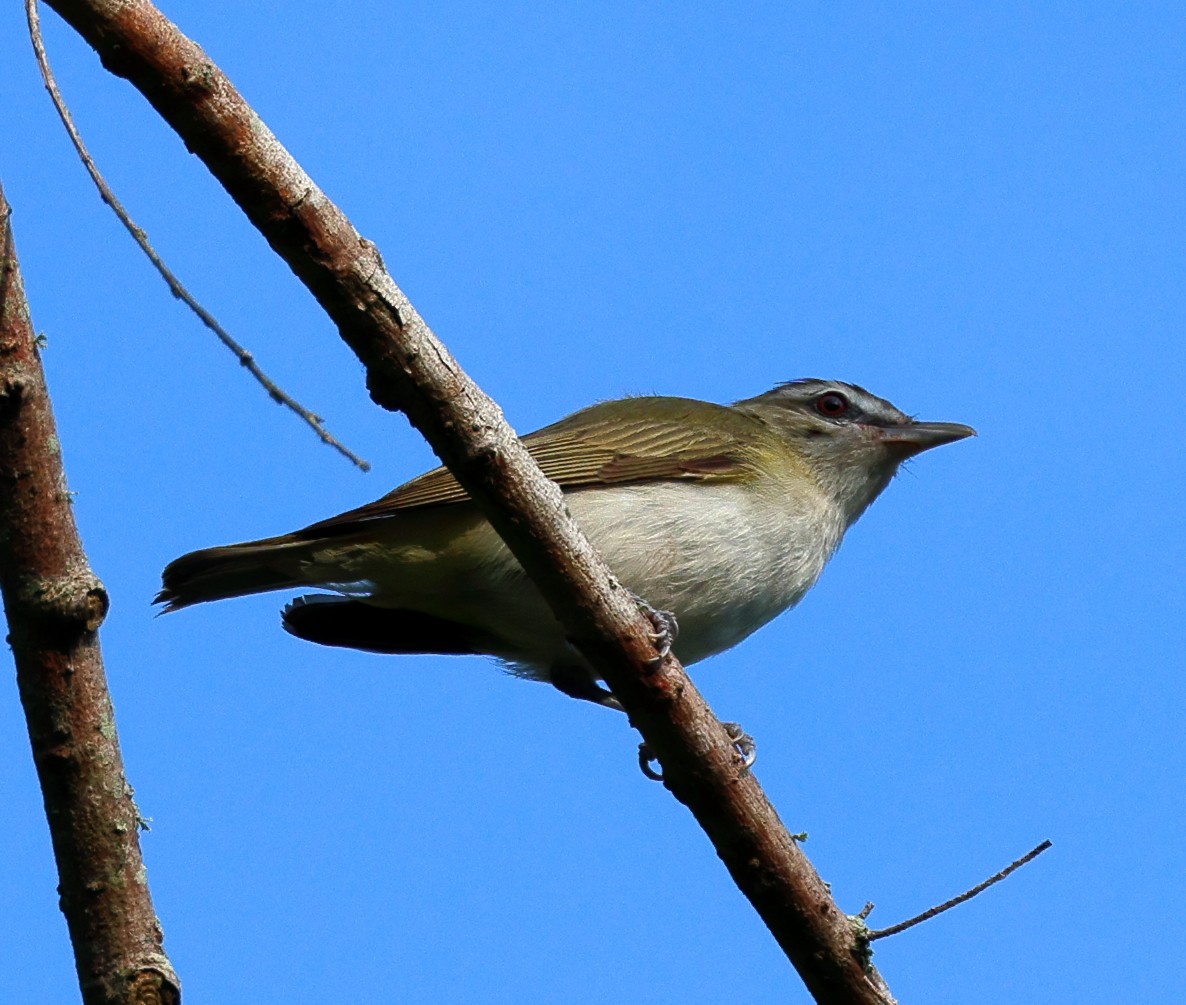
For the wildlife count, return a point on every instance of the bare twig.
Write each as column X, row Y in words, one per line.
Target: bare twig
column 246, row 359
column 54, row 605
column 901, row 926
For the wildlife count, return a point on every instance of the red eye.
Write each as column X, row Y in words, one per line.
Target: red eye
column 831, row 405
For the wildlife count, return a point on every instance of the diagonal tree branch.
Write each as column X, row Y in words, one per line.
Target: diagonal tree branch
column 410, row 370
column 54, row 605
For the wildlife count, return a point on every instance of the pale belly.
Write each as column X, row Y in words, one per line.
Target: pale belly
column 722, row 561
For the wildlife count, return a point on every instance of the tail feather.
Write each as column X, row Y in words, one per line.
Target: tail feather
column 355, row 624
column 234, row 570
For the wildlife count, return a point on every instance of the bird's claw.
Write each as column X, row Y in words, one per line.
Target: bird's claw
column 645, row 757
column 743, row 743
column 666, row 629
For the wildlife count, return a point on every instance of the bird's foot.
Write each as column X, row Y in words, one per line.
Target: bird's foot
column 743, row 743
column 665, row 626
column 645, row 758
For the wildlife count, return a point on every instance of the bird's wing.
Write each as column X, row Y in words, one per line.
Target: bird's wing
column 677, row 440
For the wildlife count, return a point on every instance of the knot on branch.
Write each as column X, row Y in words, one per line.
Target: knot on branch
column 152, row 986
column 383, row 393
column 77, row 601
column 12, row 393
column 146, row 980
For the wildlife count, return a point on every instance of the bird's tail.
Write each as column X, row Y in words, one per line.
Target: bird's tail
column 233, row 570
column 355, row 624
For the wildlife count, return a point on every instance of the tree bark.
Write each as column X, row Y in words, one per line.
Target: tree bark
column 54, row 605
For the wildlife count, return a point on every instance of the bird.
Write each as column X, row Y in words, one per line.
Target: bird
column 722, row 515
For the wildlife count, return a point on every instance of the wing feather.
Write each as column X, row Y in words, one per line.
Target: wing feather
column 680, row 439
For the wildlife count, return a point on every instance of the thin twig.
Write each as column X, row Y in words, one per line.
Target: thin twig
column 141, row 238
column 881, row 933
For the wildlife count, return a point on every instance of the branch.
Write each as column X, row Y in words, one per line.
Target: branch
column 408, row 369
column 947, row 905
column 246, row 360
column 54, row 605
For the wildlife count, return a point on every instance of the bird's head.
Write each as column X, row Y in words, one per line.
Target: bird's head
column 851, row 440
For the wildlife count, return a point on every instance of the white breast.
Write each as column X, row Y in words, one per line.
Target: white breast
column 724, row 559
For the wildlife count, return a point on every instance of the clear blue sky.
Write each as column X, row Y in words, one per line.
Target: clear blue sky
column 975, row 210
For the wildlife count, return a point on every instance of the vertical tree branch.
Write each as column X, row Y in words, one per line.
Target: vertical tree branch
column 54, row 605
column 410, row 370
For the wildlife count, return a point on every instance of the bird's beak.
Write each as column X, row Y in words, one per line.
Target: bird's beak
column 919, row 436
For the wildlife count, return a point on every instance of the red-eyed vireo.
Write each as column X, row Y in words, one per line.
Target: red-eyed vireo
column 723, row 515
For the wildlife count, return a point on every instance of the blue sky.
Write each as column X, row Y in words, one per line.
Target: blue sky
column 975, row 210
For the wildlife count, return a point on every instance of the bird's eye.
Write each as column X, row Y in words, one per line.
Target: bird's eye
column 831, row 405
